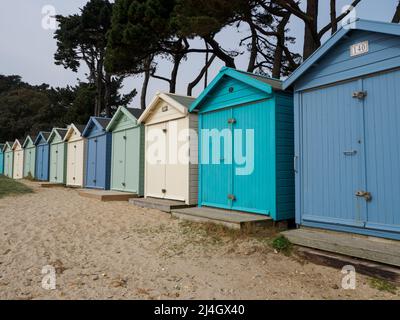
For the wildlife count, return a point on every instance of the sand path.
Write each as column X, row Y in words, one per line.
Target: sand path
column 118, row 251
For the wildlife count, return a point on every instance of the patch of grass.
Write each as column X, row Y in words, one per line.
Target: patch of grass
column 215, row 234
column 282, row 244
column 382, row 285
column 11, row 187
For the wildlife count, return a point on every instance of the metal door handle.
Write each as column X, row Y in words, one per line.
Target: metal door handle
column 350, row 153
column 231, row 197
column 364, row 194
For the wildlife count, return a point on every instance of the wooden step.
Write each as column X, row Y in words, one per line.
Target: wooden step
column 107, row 195
column 368, row 248
column 228, row 218
column 159, row 204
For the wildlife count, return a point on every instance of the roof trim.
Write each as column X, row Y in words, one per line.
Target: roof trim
column 16, row 143
column 160, row 96
column 55, row 132
column 7, row 145
column 96, row 123
column 40, row 135
column 238, row 75
column 357, row 24
column 114, row 119
column 27, row 140
column 71, row 128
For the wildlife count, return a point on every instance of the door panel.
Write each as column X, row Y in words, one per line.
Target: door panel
column 132, row 169
column 101, row 154
column 254, row 141
column 382, row 118
column 155, row 161
column 216, row 175
column 91, row 179
column 176, row 172
column 71, row 163
column 332, row 155
column 79, row 157
column 53, row 162
column 118, row 161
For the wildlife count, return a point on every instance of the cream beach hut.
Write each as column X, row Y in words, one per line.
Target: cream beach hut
column 171, row 170
column 18, row 167
column 8, row 159
column 76, row 150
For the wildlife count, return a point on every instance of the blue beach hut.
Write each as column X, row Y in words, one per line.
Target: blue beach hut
column 42, row 164
column 246, row 145
column 98, row 153
column 347, row 132
column 1, row 159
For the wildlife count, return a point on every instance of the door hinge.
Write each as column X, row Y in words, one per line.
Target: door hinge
column 364, row 194
column 359, row 94
column 231, row 197
column 231, row 121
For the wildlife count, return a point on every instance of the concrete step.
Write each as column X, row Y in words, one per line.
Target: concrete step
column 228, row 218
column 106, row 195
column 159, row 204
column 368, row 248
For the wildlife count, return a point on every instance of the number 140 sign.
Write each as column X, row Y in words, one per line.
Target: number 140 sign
column 359, row 48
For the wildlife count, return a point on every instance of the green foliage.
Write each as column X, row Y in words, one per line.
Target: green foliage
column 10, row 187
column 383, row 285
column 139, row 27
column 282, row 244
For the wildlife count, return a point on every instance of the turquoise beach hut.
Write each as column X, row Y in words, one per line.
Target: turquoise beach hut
column 246, row 145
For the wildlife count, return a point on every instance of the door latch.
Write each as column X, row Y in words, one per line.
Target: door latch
column 163, row 191
column 350, row 153
column 123, row 184
column 231, row 197
column 359, row 94
column 164, row 130
column 231, row 121
column 364, row 194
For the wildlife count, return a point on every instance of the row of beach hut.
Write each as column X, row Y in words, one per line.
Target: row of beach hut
column 325, row 144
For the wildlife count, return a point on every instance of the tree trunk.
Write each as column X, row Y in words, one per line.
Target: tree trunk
column 107, row 94
column 174, row 74
column 333, row 16
column 311, row 29
column 253, row 50
column 280, row 46
column 396, row 17
column 146, row 81
column 229, row 61
column 203, row 72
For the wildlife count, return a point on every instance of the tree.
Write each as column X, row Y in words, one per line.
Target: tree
column 313, row 36
column 83, row 38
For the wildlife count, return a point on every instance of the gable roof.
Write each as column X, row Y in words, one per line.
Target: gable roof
column 99, row 122
column 59, row 132
column 181, row 103
column 262, row 83
column 354, row 24
column 42, row 135
column 8, row 144
column 132, row 113
column 27, row 139
column 16, row 144
column 74, row 128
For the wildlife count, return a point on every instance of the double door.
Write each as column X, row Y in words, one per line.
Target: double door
column 237, row 158
column 96, row 163
column 167, row 160
column 350, row 155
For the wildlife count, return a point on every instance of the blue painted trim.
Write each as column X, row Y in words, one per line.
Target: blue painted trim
column 96, row 123
column 364, row 25
column 232, row 73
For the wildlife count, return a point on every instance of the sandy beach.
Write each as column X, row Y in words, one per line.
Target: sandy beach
column 118, row 251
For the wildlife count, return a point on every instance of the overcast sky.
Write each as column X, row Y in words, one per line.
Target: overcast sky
column 27, row 49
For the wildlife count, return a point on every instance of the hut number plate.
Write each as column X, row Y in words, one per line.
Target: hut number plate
column 359, row 49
